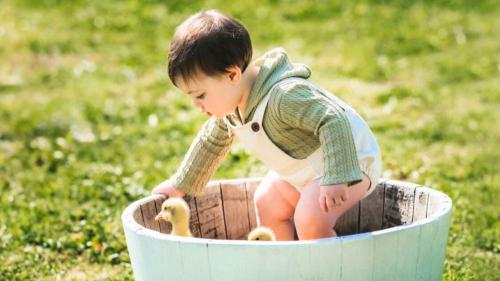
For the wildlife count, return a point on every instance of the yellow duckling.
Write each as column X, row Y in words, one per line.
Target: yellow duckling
column 176, row 211
column 261, row 233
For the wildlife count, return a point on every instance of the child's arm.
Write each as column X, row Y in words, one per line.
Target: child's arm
column 204, row 156
column 302, row 106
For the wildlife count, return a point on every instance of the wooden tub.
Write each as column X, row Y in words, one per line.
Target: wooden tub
column 397, row 233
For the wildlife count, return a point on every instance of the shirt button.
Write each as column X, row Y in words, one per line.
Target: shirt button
column 255, row 127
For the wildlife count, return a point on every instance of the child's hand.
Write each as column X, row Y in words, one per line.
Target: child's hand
column 167, row 188
column 331, row 196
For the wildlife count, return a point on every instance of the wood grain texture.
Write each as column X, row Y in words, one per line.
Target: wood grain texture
column 149, row 213
column 372, row 210
column 398, row 203
column 348, row 223
column 194, row 222
column 434, row 204
column 420, row 205
column 251, row 187
column 234, row 198
column 211, row 213
column 138, row 216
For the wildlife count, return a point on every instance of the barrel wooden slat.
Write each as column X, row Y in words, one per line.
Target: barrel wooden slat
column 371, row 210
column 194, row 222
column 165, row 255
column 135, row 247
column 439, row 250
column 236, row 219
column 165, row 227
column 211, row 213
column 398, row 203
column 400, row 244
column 385, row 247
column 328, row 266
column 149, row 213
column 357, row 258
column 237, row 268
column 300, row 266
column 421, row 201
column 348, row 223
column 295, row 235
column 434, row 204
column 264, row 263
column 436, row 212
column 428, row 234
column 195, row 262
column 251, row 186
column 406, row 253
column 138, row 217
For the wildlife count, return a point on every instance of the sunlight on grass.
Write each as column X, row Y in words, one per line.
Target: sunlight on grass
column 89, row 121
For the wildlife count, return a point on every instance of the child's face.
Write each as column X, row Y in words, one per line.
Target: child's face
column 214, row 95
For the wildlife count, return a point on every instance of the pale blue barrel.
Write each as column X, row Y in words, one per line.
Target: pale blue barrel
column 414, row 250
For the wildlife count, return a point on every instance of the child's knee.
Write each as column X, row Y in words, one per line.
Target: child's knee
column 311, row 220
column 261, row 199
column 270, row 204
column 311, row 223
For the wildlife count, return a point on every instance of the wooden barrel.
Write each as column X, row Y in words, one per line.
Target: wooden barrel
column 397, row 233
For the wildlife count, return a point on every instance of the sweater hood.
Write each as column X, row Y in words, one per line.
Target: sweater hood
column 274, row 67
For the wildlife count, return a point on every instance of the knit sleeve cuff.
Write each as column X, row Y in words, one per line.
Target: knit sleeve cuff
column 350, row 180
column 204, row 156
column 189, row 182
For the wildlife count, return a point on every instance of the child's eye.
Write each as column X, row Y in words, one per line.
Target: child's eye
column 200, row 97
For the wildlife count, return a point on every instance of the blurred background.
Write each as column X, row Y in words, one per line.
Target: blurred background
column 89, row 121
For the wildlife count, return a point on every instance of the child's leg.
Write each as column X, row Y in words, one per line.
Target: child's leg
column 311, row 222
column 275, row 201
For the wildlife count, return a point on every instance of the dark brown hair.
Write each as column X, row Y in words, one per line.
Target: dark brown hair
column 208, row 42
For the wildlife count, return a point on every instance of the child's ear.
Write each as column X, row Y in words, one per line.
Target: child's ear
column 234, row 74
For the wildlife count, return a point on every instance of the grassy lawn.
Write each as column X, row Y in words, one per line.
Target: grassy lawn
column 89, row 121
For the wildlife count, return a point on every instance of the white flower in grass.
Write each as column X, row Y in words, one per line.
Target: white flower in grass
column 83, row 67
column 83, row 133
column 153, row 120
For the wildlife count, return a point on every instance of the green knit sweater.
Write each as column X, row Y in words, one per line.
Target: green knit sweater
column 299, row 118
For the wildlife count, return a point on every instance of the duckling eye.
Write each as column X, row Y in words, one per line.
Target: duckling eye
column 258, row 238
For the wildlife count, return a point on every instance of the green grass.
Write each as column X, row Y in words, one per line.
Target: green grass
column 82, row 83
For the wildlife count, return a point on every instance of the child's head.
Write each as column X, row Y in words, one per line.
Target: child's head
column 208, row 54
column 208, row 42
